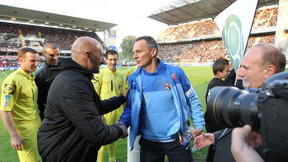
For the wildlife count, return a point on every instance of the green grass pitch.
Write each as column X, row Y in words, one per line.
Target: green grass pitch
column 199, row 78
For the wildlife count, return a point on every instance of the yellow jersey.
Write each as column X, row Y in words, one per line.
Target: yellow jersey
column 19, row 96
column 109, row 84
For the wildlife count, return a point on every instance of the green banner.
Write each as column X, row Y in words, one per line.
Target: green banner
column 235, row 24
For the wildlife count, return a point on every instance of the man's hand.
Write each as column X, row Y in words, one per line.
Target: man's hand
column 195, row 132
column 243, row 141
column 204, row 140
column 16, row 139
column 17, row 142
column 123, row 127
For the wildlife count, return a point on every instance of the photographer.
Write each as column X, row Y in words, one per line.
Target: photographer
column 259, row 63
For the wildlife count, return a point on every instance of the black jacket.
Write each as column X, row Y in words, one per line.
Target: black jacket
column 223, row 139
column 223, row 145
column 210, row 126
column 43, row 83
column 72, row 129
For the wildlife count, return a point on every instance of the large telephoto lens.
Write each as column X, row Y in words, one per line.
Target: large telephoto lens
column 231, row 107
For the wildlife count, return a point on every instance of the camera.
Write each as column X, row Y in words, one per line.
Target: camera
column 265, row 111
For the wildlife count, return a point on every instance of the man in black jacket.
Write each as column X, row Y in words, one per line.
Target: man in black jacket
column 72, row 129
column 51, row 53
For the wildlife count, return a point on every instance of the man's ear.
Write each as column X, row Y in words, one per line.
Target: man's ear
column 153, row 52
column 44, row 54
column 270, row 70
column 20, row 59
column 87, row 56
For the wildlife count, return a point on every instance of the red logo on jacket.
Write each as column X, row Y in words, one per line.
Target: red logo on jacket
column 167, row 85
column 174, row 77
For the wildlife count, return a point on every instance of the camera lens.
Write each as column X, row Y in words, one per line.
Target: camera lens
column 231, row 107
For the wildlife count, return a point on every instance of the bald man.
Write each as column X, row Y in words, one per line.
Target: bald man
column 72, row 129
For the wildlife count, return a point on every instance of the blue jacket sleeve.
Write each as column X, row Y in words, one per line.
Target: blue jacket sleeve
column 126, row 115
column 193, row 102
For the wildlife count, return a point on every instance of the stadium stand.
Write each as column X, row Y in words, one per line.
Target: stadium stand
column 15, row 36
column 191, row 42
column 202, row 51
column 200, row 41
column 21, row 27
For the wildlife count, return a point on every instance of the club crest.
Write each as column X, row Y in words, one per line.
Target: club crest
column 9, row 88
column 167, row 85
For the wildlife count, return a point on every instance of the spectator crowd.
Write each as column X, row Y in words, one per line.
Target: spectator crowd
column 190, row 42
column 15, row 36
column 202, row 51
column 200, row 41
column 265, row 17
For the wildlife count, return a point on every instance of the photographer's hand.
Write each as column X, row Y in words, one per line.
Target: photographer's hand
column 204, row 140
column 243, row 140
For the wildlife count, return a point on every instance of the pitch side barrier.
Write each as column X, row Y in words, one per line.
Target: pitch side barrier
column 8, row 68
column 191, row 64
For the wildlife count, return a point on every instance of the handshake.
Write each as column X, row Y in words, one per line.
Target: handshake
column 123, row 127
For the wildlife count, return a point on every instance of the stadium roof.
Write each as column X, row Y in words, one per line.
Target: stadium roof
column 21, row 15
column 182, row 11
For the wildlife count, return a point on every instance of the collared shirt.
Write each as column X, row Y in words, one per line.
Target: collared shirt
column 19, row 95
column 108, row 83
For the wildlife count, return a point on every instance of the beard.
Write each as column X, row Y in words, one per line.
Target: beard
column 246, row 84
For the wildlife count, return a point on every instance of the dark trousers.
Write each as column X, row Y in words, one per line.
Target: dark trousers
column 156, row 151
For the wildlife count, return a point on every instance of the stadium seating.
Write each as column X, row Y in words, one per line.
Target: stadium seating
column 200, row 41
column 202, row 51
column 15, row 36
column 197, row 41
